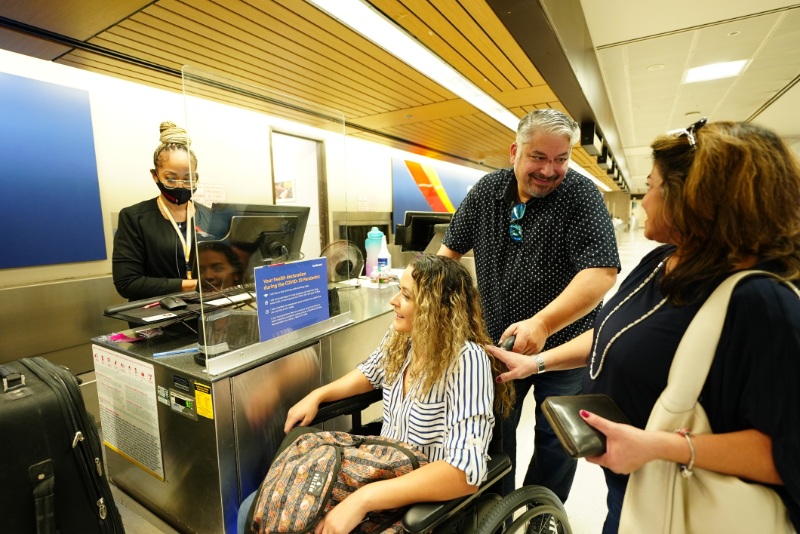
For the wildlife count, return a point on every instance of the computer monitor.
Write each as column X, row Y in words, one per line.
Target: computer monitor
column 419, row 229
column 260, row 234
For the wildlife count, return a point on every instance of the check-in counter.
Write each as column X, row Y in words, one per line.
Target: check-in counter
column 189, row 443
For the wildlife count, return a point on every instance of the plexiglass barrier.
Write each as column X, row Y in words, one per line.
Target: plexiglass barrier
column 269, row 262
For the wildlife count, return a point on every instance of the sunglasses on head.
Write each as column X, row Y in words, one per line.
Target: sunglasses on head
column 515, row 230
column 690, row 131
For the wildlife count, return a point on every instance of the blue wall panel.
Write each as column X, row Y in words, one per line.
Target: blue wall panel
column 49, row 195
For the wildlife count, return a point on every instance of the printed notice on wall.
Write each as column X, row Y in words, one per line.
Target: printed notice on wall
column 129, row 409
column 291, row 296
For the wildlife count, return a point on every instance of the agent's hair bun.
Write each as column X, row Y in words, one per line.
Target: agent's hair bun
column 170, row 133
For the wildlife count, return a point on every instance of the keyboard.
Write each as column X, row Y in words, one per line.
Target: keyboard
column 231, row 294
column 135, row 310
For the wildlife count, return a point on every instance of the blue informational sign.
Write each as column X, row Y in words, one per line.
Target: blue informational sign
column 291, row 296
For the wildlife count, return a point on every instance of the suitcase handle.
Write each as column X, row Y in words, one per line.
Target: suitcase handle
column 43, row 480
column 11, row 378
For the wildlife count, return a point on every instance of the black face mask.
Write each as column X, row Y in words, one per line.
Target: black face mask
column 179, row 195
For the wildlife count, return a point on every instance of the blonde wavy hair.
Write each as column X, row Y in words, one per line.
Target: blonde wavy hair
column 734, row 195
column 447, row 314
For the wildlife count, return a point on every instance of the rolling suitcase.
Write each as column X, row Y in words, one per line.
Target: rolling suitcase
column 52, row 479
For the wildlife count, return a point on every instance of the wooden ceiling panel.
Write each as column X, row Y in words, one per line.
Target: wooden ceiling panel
column 30, row 46
column 269, row 48
column 363, row 82
column 296, row 58
column 437, row 32
column 121, row 69
column 256, row 70
column 220, row 61
column 79, row 19
column 418, row 114
column 486, row 51
column 541, row 95
column 474, row 136
column 247, row 58
column 328, row 32
column 499, row 34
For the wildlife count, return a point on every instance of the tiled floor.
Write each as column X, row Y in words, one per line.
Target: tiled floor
column 586, row 506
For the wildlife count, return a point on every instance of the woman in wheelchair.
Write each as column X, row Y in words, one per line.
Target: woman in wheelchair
column 439, row 392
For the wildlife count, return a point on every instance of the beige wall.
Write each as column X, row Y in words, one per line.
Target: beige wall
column 618, row 204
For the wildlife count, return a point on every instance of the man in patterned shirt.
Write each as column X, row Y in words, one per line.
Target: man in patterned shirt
column 545, row 255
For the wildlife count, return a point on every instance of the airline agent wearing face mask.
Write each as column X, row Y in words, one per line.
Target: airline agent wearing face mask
column 154, row 242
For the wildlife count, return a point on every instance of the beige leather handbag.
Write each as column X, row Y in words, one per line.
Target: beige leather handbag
column 658, row 497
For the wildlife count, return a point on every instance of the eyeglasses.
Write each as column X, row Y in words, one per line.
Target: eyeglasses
column 173, row 184
column 515, row 230
column 690, row 131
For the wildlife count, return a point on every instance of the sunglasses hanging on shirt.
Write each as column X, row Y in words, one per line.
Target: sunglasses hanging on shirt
column 515, row 229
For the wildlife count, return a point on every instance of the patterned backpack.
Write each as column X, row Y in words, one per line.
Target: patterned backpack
column 319, row 470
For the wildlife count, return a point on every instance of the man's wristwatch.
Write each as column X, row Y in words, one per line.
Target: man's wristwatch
column 540, row 368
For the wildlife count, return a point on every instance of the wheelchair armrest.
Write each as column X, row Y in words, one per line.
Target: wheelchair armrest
column 424, row 517
column 347, row 406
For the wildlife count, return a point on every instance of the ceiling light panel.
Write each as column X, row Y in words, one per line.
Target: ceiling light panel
column 373, row 26
column 715, row 71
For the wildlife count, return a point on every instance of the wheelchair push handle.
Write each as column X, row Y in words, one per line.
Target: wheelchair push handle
column 508, row 343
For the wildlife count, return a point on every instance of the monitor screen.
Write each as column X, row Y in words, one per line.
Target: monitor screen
column 419, row 229
column 260, row 234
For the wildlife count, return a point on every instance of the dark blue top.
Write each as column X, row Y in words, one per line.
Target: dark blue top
column 753, row 380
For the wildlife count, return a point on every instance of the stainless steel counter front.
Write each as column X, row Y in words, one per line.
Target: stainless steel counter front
column 211, row 437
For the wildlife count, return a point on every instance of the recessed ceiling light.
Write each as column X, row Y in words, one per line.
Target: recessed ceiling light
column 715, row 71
column 655, row 67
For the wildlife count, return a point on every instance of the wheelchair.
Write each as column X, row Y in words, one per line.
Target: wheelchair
column 483, row 512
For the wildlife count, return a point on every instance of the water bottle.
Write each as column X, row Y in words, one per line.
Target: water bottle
column 373, row 246
column 384, row 263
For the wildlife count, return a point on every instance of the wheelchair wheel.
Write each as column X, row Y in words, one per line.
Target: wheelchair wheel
column 533, row 502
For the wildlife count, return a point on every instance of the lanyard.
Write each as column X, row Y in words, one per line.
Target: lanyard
column 186, row 242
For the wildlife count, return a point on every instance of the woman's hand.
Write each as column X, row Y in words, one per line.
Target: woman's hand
column 303, row 412
column 344, row 517
column 519, row 365
column 627, row 448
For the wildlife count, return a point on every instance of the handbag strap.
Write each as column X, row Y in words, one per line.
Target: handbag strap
column 692, row 360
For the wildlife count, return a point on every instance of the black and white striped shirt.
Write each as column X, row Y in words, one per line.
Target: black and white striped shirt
column 453, row 422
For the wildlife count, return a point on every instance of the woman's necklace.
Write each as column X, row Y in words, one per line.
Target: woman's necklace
column 592, row 374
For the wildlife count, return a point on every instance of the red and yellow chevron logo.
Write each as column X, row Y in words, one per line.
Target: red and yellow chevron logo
column 430, row 186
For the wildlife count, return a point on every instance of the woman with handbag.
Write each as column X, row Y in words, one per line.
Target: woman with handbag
column 724, row 198
column 439, row 392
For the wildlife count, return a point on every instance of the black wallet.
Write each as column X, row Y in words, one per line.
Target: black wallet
column 576, row 436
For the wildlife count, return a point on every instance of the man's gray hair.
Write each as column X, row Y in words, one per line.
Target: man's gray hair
column 549, row 121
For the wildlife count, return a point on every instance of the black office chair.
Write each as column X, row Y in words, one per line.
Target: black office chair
column 483, row 512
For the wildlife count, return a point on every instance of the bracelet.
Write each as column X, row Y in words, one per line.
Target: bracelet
column 539, row 365
column 686, row 469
